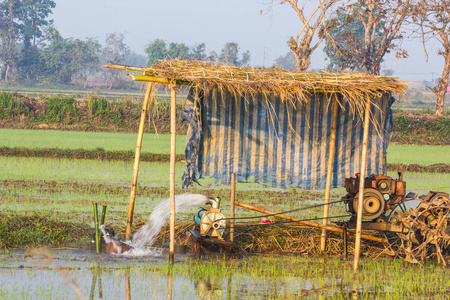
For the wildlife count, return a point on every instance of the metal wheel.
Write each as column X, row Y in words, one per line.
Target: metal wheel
column 212, row 224
column 373, row 204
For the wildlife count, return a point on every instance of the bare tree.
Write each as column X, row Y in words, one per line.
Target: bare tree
column 302, row 45
column 433, row 19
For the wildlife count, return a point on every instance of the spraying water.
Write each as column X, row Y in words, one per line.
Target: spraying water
column 148, row 232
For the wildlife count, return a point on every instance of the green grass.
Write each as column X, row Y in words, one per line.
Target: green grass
column 397, row 154
column 424, row 155
column 26, row 138
column 112, row 172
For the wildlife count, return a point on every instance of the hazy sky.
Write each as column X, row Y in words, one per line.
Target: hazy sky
column 213, row 22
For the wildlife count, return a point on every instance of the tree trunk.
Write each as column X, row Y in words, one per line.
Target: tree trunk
column 442, row 88
column 302, row 61
column 4, row 73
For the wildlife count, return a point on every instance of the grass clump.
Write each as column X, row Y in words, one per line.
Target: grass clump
column 11, row 105
column 421, row 129
column 39, row 230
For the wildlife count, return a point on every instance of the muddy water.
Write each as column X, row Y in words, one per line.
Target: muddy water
column 72, row 274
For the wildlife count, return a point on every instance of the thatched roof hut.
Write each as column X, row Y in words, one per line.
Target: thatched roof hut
column 274, row 126
column 309, row 130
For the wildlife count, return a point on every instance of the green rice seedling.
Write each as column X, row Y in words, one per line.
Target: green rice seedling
column 109, row 141
column 418, row 154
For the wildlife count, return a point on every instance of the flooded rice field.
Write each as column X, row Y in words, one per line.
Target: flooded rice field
column 82, row 274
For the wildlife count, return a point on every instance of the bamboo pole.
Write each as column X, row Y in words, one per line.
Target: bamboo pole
column 232, row 207
column 97, row 231
column 362, row 177
column 173, row 131
column 102, row 220
column 136, row 161
column 331, row 151
column 308, row 223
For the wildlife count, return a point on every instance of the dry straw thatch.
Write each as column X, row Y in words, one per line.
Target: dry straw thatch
column 288, row 85
column 276, row 239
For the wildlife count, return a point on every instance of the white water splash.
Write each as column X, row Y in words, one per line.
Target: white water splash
column 146, row 235
column 133, row 251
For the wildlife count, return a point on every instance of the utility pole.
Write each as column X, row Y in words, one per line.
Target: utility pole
column 264, row 57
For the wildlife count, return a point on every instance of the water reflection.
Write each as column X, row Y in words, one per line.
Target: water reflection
column 169, row 283
column 127, row 285
column 210, row 288
column 110, row 277
column 96, row 276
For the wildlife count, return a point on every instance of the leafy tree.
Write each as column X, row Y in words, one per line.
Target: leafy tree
column 286, row 62
column 32, row 18
column 66, row 57
column 198, row 52
column 230, row 55
column 180, row 51
column 344, row 34
column 302, row 45
column 8, row 38
column 159, row 50
column 362, row 32
column 135, row 59
column 24, row 20
column 388, row 72
column 115, row 51
column 156, row 51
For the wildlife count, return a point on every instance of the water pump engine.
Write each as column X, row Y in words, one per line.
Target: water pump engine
column 211, row 222
column 381, row 194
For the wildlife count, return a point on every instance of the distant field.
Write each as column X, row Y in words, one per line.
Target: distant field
column 87, row 140
column 397, row 154
column 414, row 154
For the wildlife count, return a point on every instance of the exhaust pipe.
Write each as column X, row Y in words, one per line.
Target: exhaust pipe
column 215, row 203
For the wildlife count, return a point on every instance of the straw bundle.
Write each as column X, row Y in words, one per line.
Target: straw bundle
column 288, row 85
column 276, row 239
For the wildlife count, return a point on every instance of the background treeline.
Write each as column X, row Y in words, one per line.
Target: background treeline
column 96, row 113
column 33, row 51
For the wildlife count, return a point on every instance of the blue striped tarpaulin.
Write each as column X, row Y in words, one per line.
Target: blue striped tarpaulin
column 263, row 139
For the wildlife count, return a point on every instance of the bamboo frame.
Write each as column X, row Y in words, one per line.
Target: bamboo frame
column 136, row 161
column 361, row 186
column 309, row 223
column 326, row 208
column 232, row 206
column 173, row 132
column 357, row 90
